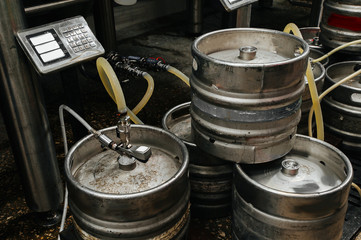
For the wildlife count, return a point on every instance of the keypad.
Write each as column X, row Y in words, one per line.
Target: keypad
column 78, row 38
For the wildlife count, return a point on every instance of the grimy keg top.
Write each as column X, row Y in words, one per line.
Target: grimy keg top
column 99, row 171
column 102, row 173
column 350, row 91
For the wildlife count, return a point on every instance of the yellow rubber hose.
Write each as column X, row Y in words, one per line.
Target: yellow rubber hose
column 147, row 94
column 291, row 27
column 336, row 49
column 312, row 86
column 179, row 74
column 354, row 185
column 328, row 90
column 112, row 86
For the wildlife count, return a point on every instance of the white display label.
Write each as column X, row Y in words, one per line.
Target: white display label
column 46, row 47
column 47, row 37
column 53, row 55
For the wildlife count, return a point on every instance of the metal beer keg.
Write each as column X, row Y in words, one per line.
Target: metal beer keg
column 246, row 93
column 110, row 200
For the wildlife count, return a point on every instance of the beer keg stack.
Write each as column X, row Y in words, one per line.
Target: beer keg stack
column 247, row 85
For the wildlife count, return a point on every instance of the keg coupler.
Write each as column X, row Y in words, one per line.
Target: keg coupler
column 128, row 153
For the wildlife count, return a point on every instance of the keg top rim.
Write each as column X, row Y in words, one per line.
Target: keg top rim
column 182, row 169
column 204, row 37
column 338, row 65
column 168, row 116
column 271, row 178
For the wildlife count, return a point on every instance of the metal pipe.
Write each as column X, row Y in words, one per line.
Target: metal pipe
column 196, row 14
column 316, row 13
column 51, row 6
column 25, row 117
column 244, row 16
column 104, row 23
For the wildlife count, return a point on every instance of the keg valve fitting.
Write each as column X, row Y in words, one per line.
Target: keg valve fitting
column 290, row 167
column 141, row 153
column 247, row 53
column 123, row 131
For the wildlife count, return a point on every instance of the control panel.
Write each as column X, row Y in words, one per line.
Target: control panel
column 54, row 46
column 231, row 5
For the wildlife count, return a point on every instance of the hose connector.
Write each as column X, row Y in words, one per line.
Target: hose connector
column 123, row 131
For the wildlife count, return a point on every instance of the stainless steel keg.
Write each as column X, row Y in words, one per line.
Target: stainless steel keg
column 246, row 93
column 150, row 201
column 210, row 177
column 302, row 195
column 319, row 73
column 312, row 36
column 342, row 107
column 341, row 24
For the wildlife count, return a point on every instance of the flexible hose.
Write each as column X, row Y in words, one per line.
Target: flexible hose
column 312, row 86
column 328, row 90
column 315, row 105
column 336, row 49
column 291, row 27
column 134, row 117
column 179, row 74
column 112, row 86
column 65, row 141
column 111, row 83
column 357, row 188
column 147, row 94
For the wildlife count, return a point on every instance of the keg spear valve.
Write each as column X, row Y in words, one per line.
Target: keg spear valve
column 142, row 153
column 124, row 148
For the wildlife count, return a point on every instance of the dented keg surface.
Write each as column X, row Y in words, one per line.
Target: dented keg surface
column 246, row 93
column 149, row 200
column 342, row 107
column 338, row 24
column 210, row 177
column 319, row 73
column 312, row 36
column 302, row 195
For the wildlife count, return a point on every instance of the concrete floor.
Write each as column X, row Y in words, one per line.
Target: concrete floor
column 171, row 42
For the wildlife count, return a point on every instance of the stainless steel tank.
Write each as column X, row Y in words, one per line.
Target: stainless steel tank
column 210, row 177
column 342, row 107
column 302, row 195
column 312, row 36
column 319, row 73
column 246, row 93
column 150, row 201
column 339, row 24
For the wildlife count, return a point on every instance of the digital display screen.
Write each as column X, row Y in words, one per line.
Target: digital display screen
column 48, row 46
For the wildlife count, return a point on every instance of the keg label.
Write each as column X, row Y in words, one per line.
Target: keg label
column 356, row 97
